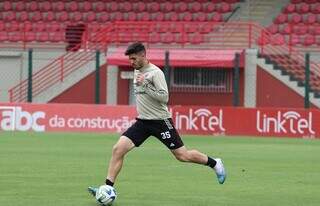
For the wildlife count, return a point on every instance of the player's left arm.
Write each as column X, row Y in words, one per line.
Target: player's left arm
column 157, row 88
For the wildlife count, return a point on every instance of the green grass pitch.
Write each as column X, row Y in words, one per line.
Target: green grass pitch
column 55, row 169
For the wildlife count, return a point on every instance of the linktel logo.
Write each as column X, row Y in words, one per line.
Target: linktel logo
column 288, row 122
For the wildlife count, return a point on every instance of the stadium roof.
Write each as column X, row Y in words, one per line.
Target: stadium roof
column 181, row 57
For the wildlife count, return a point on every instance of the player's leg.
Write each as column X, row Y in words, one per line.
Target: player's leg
column 131, row 138
column 165, row 131
column 119, row 150
column 194, row 156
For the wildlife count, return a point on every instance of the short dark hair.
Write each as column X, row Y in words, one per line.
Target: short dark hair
column 135, row 48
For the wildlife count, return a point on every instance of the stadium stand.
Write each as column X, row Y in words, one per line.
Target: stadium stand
column 298, row 23
column 36, row 18
column 158, row 23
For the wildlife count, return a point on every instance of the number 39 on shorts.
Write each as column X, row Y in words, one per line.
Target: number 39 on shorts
column 165, row 135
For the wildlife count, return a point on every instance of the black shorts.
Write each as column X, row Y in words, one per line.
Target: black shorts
column 161, row 129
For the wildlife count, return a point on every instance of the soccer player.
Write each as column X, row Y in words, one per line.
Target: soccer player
column 154, row 119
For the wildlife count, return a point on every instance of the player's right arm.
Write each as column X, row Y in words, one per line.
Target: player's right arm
column 157, row 88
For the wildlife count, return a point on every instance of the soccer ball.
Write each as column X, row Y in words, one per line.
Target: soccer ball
column 106, row 195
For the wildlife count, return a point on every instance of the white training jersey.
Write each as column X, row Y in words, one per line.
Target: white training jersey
column 152, row 95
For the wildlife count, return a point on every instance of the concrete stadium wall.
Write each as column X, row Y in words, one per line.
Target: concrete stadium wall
column 84, row 91
column 14, row 67
column 273, row 93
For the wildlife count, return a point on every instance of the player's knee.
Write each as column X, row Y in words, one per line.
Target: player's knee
column 117, row 150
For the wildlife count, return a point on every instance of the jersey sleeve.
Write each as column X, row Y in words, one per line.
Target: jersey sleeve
column 157, row 87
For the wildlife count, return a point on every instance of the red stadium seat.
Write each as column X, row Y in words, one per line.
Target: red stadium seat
column 191, row 28
column 126, row 7
column 72, row 6
column 9, row 16
column 58, row 6
column 62, row 16
column 76, row 16
column 39, row 26
column 273, row 29
column 168, row 38
column 45, row 6
column 99, row 7
column 181, row 7
column 316, row 9
column 201, row 16
column 132, row 16
column 12, row 26
column 176, row 28
column 90, row 16
column 281, row 19
column 6, row 6
column 196, row 38
column 154, row 38
column 225, row 7
column 205, row 28
column 113, row 6
column 42, row 37
column 196, row 7
column 309, row 40
column 167, row 6
column 33, row 6
column 117, row 16
column 186, row 16
column 154, row 7
column 144, row 16
column 316, row 30
column 53, row 27
column 172, row 16
column 15, row 36
column 216, row 17
column 2, row 26
column 209, row 7
column 20, row 6
column 311, row 1
column 303, row 8
column 163, row 28
column 87, row 6
column 56, row 37
column 26, row 26
column 23, row 16
column 290, row 8
column 158, row 16
column 3, row 36
column 30, row 36
column 182, row 38
column 300, row 29
column 311, row 19
column 286, row 29
column 140, row 7
column 103, row 17
column 49, row 16
column 294, row 40
column 295, row 18
column 35, row 16
column 94, row 27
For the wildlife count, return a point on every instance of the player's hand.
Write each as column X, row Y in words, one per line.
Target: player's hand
column 140, row 79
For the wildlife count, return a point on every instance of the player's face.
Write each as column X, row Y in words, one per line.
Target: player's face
column 137, row 60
